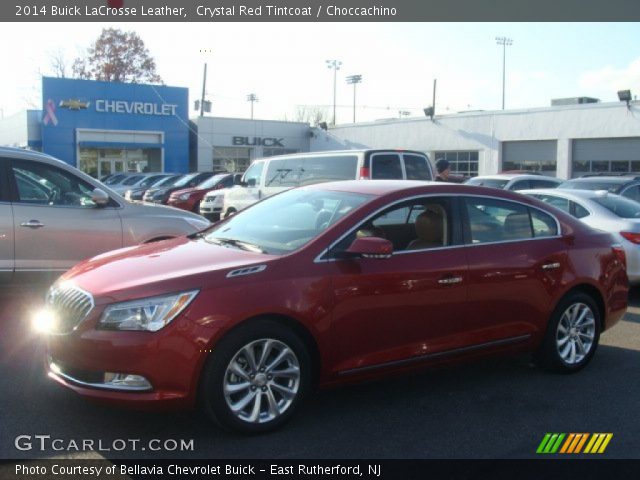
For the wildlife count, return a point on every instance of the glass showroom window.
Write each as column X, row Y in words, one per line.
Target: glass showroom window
column 461, row 162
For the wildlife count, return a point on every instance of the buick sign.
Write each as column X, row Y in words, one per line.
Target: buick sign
column 258, row 141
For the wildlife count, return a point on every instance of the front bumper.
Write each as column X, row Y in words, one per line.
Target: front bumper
column 169, row 360
column 210, row 212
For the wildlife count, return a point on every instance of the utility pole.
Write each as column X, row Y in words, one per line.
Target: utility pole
column 505, row 42
column 252, row 97
column 354, row 80
column 335, row 64
column 204, row 86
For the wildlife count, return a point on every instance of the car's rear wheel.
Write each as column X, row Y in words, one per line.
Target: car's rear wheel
column 572, row 335
column 256, row 377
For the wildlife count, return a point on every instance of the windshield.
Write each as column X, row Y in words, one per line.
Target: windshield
column 619, row 206
column 488, row 182
column 133, row 179
column 285, row 222
column 165, row 182
column 610, row 186
column 212, row 181
column 184, row 180
column 151, row 180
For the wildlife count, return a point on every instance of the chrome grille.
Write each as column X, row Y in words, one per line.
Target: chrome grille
column 70, row 305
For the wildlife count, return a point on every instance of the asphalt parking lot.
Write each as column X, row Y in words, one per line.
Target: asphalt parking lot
column 494, row 409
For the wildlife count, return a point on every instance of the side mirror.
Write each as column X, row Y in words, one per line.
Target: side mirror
column 99, row 197
column 371, row 247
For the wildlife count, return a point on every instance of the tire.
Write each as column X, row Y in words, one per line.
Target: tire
column 572, row 335
column 264, row 395
column 230, row 212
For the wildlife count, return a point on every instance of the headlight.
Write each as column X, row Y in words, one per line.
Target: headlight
column 218, row 200
column 148, row 314
column 184, row 196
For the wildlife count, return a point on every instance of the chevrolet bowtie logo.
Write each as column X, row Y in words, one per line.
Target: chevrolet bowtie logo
column 74, row 104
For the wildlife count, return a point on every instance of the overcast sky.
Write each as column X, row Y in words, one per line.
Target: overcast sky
column 284, row 64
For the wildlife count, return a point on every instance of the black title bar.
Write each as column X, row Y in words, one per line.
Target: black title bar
column 319, row 10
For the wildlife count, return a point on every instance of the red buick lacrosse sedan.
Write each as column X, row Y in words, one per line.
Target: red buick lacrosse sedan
column 329, row 284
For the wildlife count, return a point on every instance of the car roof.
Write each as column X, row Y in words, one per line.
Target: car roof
column 573, row 194
column 511, row 176
column 596, row 179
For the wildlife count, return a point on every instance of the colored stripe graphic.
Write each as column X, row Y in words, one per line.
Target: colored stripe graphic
column 550, row 443
column 553, row 443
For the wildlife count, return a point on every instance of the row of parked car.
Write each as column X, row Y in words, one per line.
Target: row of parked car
column 321, row 285
column 594, row 199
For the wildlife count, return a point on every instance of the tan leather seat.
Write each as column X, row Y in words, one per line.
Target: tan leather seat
column 430, row 229
column 516, row 226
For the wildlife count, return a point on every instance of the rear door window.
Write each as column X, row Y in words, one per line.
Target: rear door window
column 543, row 184
column 328, row 169
column 417, row 167
column 386, row 166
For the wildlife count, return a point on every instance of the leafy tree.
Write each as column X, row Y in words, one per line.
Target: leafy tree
column 117, row 56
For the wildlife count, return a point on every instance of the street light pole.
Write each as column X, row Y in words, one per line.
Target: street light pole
column 252, row 97
column 335, row 64
column 505, row 42
column 354, row 80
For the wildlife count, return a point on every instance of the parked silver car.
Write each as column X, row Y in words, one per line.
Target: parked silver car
column 604, row 211
column 52, row 216
column 514, row 181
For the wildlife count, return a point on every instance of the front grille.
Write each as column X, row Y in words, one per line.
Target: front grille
column 70, row 305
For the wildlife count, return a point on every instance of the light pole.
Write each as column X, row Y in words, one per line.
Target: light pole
column 504, row 41
column 335, row 64
column 354, row 80
column 252, row 97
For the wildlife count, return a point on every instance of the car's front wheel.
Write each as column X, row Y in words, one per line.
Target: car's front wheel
column 572, row 335
column 255, row 377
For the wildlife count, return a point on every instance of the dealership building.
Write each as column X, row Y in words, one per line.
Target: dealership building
column 103, row 127
column 566, row 140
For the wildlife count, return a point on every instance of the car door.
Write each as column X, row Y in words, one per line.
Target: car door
column 401, row 309
column 56, row 224
column 516, row 259
column 7, row 261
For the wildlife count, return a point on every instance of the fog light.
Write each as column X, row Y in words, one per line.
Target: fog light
column 126, row 380
column 43, row 321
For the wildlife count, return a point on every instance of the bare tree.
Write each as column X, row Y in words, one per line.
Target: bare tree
column 311, row 114
column 117, row 56
column 59, row 64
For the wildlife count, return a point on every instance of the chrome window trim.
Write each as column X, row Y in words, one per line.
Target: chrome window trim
column 319, row 259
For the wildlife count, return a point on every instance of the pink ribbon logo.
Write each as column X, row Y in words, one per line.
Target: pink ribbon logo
column 50, row 116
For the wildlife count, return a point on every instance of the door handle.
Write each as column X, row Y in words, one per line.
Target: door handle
column 32, row 224
column 551, row 266
column 450, row 280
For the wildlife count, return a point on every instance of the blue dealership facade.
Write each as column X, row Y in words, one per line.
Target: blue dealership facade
column 104, row 127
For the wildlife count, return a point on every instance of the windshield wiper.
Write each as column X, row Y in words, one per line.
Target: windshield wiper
column 236, row 243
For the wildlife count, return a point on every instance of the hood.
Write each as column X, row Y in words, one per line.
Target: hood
column 157, row 267
column 184, row 190
column 218, row 192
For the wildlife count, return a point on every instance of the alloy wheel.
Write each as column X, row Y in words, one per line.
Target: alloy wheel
column 576, row 333
column 261, row 381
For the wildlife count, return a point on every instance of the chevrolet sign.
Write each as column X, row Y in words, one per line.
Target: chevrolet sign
column 136, row 108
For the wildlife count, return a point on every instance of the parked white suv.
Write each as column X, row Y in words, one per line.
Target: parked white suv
column 272, row 175
column 52, row 216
